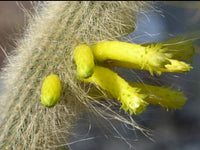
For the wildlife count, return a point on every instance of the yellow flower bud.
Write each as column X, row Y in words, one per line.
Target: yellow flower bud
column 51, row 89
column 84, row 60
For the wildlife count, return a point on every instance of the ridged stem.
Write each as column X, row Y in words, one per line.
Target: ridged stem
column 47, row 47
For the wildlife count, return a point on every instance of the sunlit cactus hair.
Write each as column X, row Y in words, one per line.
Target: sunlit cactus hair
column 46, row 48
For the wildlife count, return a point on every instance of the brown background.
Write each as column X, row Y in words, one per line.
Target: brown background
column 12, row 19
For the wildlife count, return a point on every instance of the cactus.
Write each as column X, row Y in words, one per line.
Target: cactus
column 47, row 48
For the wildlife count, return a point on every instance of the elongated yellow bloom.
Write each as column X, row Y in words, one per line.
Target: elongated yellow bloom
column 51, row 90
column 84, row 59
column 153, row 57
column 164, row 97
column 150, row 58
column 129, row 96
column 156, row 95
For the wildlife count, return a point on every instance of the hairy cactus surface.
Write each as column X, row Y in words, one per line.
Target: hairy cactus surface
column 47, row 48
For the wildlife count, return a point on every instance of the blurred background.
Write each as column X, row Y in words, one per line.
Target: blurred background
column 178, row 130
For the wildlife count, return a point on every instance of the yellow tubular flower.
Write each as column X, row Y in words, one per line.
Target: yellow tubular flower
column 83, row 57
column 153, row 57
column 150, row 58
column 51, row 90
column 164, row 97
column 129, row 96
column 156, row 95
